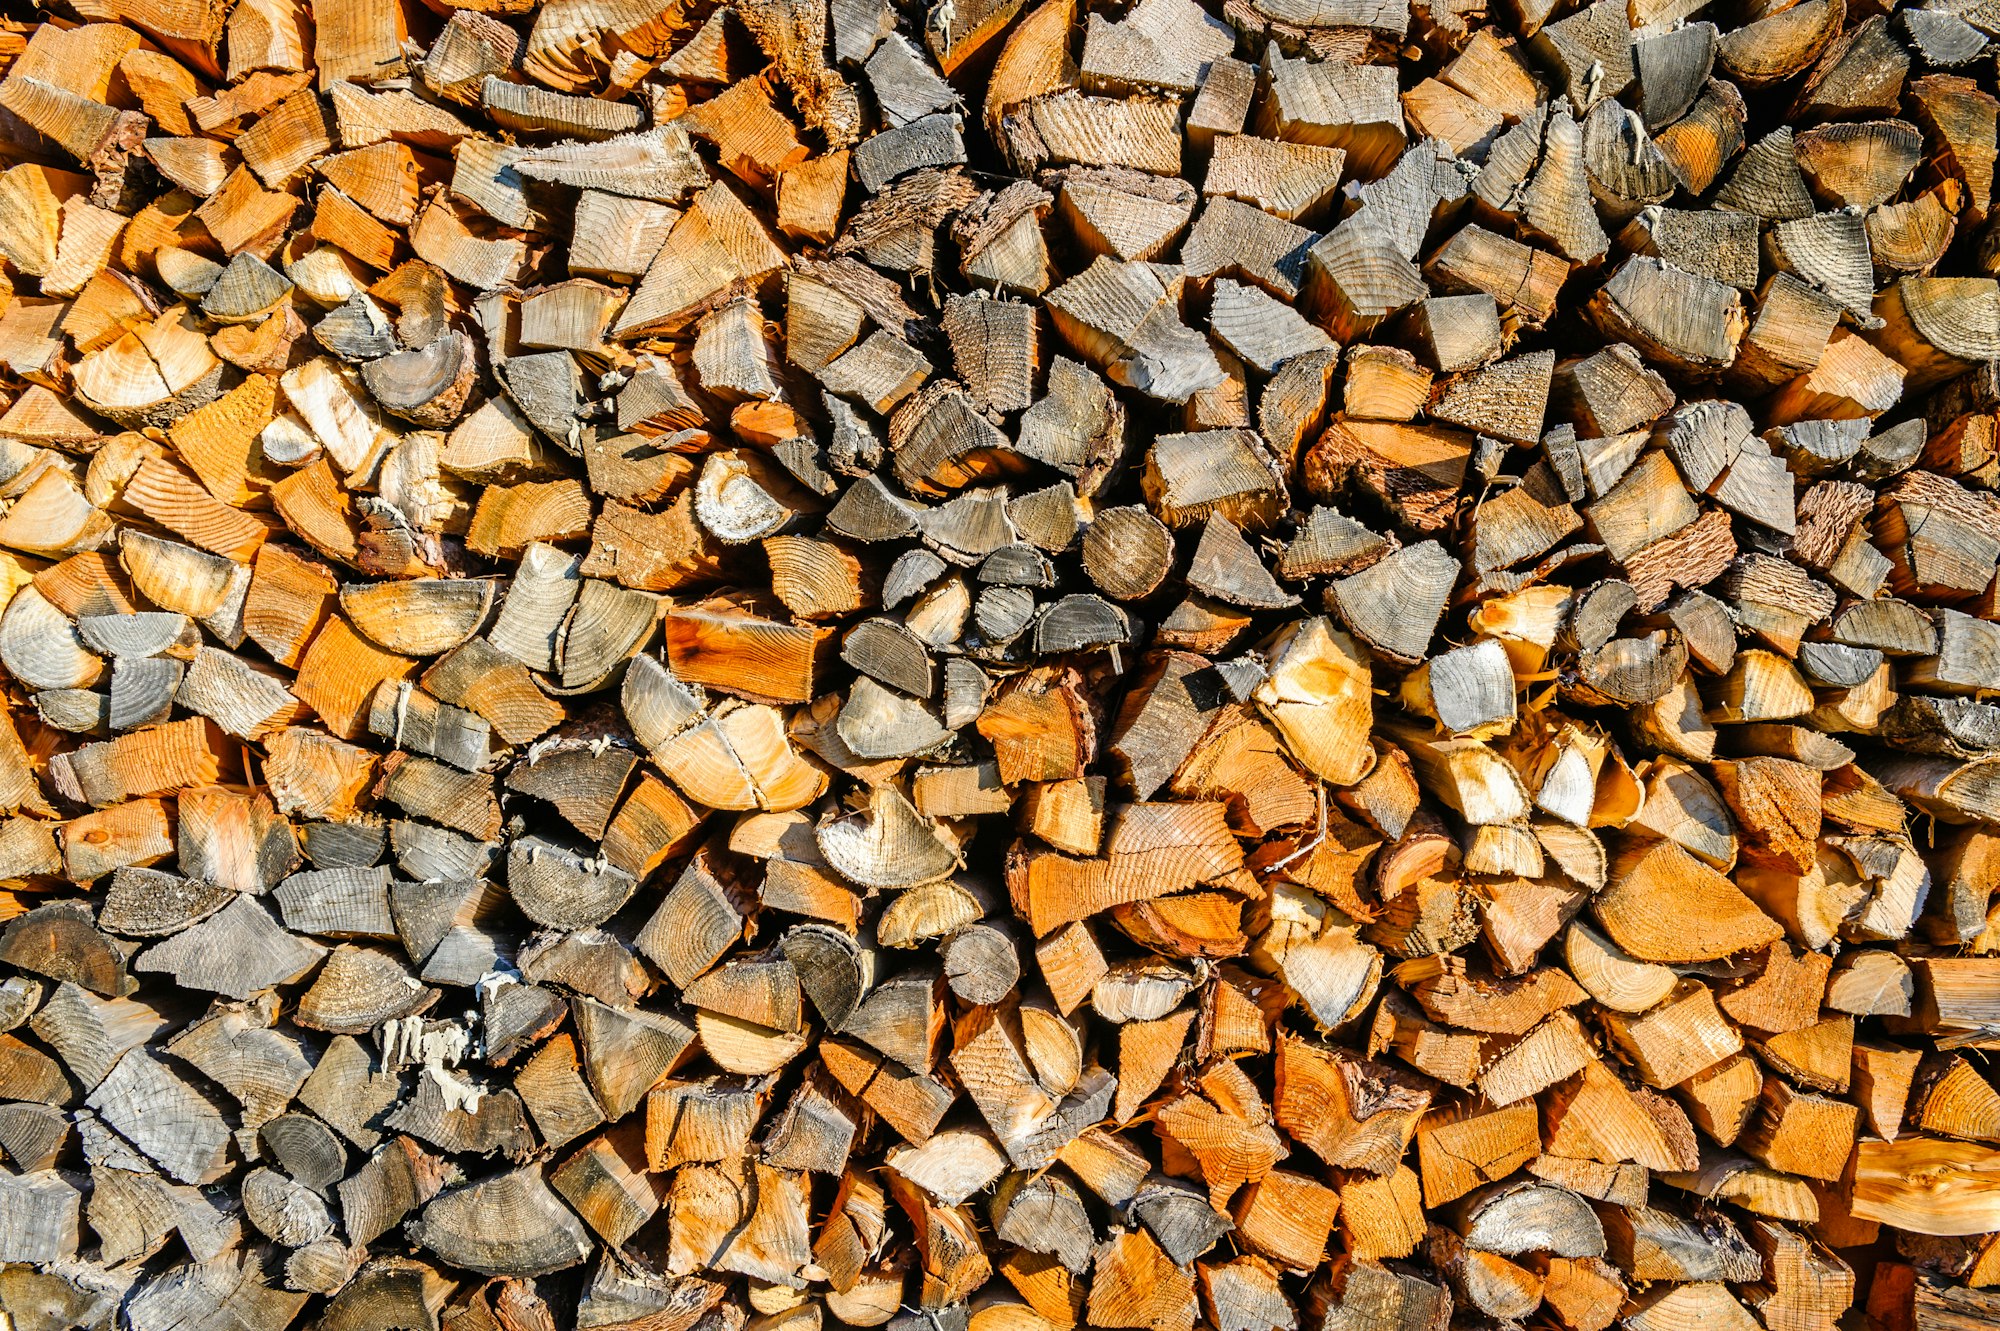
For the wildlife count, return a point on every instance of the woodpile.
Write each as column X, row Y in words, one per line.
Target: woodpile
column 1326, row 665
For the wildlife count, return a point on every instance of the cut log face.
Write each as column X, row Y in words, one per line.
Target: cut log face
column 1245, row 663
column 510, row 1224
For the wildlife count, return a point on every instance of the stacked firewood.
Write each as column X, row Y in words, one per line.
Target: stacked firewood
column 1231, row 663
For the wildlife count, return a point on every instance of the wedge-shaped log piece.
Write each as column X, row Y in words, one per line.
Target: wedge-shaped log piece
column 1951, row 791
column 560, row 888
column 1394, row 605
column 1335, row 105
column 176, row 1125
column 1124, row 318
column 1230, row 472
column 737, row 759
column 1711, row 917
column 58, row 941
column 724, row 648
column 427, row 386
column 626, row 1052
column 1138, row 132
column 153, row 375
column 1613, row 977
column 1938, row 327
column 234, row 953
column 359, row 988
column 419, row 616
column 1317, row 695
column 1352, row 1114
column 1927, row 1185
column 510, row 1224
column 1263, row 333
column 1294, row 181
column 716, row 244
column 890, row 845
column 1690, row 323
column 1151, row 850
column 1125, row 214
column 1513, row 1219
